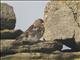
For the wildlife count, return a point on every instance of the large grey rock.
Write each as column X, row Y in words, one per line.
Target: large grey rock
column 7, row 16
column 62, row 20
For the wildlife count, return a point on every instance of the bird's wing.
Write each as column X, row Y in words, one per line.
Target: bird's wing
column 30, row 28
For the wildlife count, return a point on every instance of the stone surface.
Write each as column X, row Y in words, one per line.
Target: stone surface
column 34, row 51
column 10, row 34
column 60, row 23
column 11, row 48
column 62, row 20
column 43, row 56
column 7, row 16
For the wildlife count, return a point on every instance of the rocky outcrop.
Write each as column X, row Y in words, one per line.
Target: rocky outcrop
column 8, row 22
column 43, row 56
column 62, row 20
column 7, row 17
column 44, row 47
column 34, row 52
column 61, row 27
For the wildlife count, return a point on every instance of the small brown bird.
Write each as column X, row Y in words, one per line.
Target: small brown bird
column 33, row 33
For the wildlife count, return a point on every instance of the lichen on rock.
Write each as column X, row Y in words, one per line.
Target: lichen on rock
column 62, row 18
column 7, row 16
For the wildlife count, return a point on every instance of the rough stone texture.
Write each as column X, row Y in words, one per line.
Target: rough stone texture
column 62, row 20
column 44, row 47
column 22, row 53
column 43, row 56
column 7, row 16
column 10, row 34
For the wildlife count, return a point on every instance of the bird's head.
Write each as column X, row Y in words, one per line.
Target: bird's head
column 38, row 22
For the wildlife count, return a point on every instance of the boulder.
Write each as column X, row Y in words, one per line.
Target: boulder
column 7, row 17
column 62, row 20
column 11, row 48
column 10, row 34
column 42, row 56
column 25, row 53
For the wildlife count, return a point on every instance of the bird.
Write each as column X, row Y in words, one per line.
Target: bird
column 33, row 33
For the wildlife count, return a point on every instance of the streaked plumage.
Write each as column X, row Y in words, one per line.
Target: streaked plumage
column 33, row 33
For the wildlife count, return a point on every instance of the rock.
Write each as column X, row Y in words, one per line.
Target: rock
column 6, row 44
column 62, row 20
column 36, row 47
column 11, row 48
column 10, row 34
column 7, row 17
column 41, row 50
column 42, row 56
